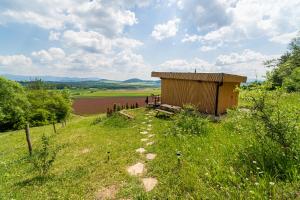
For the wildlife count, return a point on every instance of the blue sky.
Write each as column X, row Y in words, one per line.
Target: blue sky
column 120, row 39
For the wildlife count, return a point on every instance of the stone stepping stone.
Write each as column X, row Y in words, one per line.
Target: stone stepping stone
column 149, row 183
column 144, row 132
column 150, row 156
column 136, row 169
column 150, row 143
column 144, row 139
column 151, row 135
column 140, row 150
column 107, row 193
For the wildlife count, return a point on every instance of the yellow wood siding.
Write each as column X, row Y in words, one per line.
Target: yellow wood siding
column 180, row 92
column 228, row 97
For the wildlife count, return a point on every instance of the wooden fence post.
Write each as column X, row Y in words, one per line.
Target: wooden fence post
column 27, row 131
column 54, row 128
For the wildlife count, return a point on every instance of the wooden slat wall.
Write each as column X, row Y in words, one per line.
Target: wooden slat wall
column 228, row 97
column 179, row 92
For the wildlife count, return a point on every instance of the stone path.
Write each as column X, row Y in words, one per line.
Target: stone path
column 149, row 183
column 138, row 169
column 150, row 156
column 140, row 150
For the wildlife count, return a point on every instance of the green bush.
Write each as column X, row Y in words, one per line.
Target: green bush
column 43, row 158
column 273, row 128
column 39, row 117
column 189, row 121
column 116, row 121
column 14, row 105
column 48, row 106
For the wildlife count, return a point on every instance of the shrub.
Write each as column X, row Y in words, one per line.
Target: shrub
column 14, row 105
column 115, row 120
column 189, row 121
column 42, row 159
column 274, row 125
column 40, row 117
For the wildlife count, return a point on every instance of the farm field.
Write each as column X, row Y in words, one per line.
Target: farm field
column 96, row 105
column 208, row 166
column 91, row 93
column 95, row 101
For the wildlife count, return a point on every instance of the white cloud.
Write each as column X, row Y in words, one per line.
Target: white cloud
column 87, row 40
column 277, row 20
column 182, row 65
column 167, row 30
column 126, row 43
column 96, row 42
column 54, row 35
column 15, row 61
column 107, row 17
column 246, row 56
column 52, row 55
column 248, row 63
column 284, row 38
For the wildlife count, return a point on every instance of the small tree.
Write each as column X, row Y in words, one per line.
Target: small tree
column 14, row 105
column 44, row 157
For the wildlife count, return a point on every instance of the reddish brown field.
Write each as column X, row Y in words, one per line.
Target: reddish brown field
column 87, row 106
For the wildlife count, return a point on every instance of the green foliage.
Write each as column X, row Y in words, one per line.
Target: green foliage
column 275, row 147
column 116, row 121
column 48, row 106
column 13, row 105
column 42, row 159
column 286, row 69
column 189, row 121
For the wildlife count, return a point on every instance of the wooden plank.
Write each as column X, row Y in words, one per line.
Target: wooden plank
column 209, row 77
column 164, row 111
column 170, row 107
column 126, row 114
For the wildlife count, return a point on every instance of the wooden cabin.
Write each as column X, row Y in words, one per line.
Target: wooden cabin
column 211, row 93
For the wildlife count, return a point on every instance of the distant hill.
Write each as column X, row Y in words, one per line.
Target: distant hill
column 75, row 82
column 48, row 78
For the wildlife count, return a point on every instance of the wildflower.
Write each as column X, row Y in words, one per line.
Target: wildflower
column 271, row 183
column 254, row 162
column 256, row 183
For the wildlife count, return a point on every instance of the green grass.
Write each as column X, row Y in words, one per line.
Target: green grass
column 78, row 93
column 208, row 168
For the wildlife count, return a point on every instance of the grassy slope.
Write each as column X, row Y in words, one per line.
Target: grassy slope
column 113, row 93
column 206, row 171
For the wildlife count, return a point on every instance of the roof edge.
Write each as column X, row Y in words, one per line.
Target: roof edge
column 209, row 77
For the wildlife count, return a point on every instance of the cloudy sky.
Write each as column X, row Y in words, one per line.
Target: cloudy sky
column 120, row 39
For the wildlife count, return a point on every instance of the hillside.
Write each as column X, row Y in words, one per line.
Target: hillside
column 208, row 165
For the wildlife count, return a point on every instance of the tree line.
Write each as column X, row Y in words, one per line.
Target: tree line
column 33, row 105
